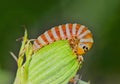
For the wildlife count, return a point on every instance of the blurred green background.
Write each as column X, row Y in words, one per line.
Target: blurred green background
column 102, row 63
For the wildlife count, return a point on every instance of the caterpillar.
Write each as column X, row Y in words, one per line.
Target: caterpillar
column 79, row 37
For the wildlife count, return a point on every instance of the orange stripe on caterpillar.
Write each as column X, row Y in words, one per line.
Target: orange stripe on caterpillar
column 78, row 36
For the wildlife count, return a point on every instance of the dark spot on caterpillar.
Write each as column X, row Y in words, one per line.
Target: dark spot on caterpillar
column 85, row 48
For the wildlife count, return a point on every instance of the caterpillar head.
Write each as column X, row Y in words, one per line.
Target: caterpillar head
column 84, row 46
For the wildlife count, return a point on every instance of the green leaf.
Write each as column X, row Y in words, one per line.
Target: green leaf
column 53, row 64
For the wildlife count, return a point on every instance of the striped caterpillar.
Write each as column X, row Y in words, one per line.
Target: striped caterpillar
column 79, row 37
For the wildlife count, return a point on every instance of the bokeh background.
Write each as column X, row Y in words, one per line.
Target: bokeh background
column 102, row 63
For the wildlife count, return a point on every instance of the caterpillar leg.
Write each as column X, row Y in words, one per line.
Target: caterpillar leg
column 74, row 80
column 80, row 59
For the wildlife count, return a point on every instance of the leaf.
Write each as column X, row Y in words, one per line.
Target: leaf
column 53, row 64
